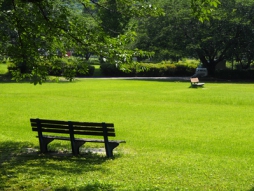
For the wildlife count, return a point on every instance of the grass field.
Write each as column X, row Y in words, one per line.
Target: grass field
column 177, row 138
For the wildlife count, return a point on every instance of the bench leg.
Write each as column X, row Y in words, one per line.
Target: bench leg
column 44, row 144
column 109, row 149
column 75, row 146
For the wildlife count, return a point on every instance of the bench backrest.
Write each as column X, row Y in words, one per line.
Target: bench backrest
column 73, row 127
column 194, row 80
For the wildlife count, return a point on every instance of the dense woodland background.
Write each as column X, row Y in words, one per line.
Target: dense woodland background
column 141, row 38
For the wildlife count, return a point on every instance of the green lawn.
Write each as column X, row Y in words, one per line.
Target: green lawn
column 177, row 138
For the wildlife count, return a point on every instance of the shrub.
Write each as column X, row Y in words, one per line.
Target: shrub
column 185, row 69
column 162, row 69
column 235, row 74
column 70, row 68
column 84, row 70
column 57, row 66
column 115, row 71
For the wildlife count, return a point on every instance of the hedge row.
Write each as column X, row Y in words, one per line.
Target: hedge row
column 148, row 69
column 68, row 68
column 235, row 74
column 77, row 68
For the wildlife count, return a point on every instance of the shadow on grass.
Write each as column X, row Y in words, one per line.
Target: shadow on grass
column 6, row 78
column 20, row 159
column 196, row 87
column 95, row 186
column 187, row 79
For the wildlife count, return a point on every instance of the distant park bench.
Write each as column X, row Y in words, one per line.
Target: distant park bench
column 195, row 82
column 73, row 128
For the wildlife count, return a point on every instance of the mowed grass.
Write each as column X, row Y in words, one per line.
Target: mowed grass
column 177, row 138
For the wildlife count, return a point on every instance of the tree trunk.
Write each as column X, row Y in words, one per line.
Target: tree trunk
column 211, row 66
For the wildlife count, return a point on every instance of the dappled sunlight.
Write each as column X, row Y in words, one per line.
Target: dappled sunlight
column 20, row 161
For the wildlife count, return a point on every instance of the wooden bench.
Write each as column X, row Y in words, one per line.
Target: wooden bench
column 54, row 128
column 195, row 82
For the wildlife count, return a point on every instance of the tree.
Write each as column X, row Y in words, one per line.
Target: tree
column 228, row 33
column 113, row 21
column 32, row 31
column 164, row 35
column 202, row 9
column 243, row 47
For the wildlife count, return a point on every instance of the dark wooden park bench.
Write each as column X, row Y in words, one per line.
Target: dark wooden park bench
column 195, row 82
column 56, row 129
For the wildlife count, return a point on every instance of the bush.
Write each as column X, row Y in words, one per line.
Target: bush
column 57, row 66
column 185, row 70
column 70, row 68
column 115, row 71
column 235, row 74
column 162, row 69
column 159, row 70
column 84, row 70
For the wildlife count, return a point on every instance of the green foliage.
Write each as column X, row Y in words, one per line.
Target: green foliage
column 159, row 70
column 202, row 9
column 113, row 21
column 114, row 70
column 3, row 68
column 32, row 32
column 177, row 34
column 70, row 68
column 247, row 75
column 85, row 70
column 183, row 68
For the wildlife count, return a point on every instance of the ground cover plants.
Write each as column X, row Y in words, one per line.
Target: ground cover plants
column 178, row 138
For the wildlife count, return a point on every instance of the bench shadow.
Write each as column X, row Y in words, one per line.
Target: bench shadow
column 196, row 87
column 23, row 157
column 91, row 186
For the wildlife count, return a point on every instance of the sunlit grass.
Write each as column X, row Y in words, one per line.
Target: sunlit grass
column 178, row 138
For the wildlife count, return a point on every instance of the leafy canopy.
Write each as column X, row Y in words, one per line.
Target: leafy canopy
column 202, row 9
column 33, row 31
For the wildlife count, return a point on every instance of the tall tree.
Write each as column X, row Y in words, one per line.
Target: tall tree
column 32, row 31
column 228, row 33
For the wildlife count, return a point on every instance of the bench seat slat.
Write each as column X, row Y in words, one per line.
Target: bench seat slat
column 66, row 125
column 52, row 130
column 82, row 139
column 53, row 126
column 96, row 133
column 46, row 121
column 88, row 128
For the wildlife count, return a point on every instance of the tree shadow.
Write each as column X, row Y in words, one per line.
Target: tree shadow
column 22, row 157
column 95, row 186
column 7, row 78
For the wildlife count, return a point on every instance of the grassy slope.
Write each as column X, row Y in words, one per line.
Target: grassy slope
column 178, row 138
